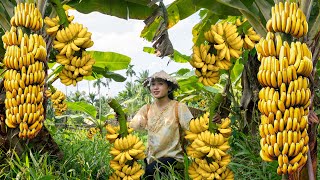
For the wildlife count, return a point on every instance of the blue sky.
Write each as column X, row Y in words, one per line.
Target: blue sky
column 113, row 34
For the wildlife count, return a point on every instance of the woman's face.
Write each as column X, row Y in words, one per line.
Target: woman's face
column 159, row 88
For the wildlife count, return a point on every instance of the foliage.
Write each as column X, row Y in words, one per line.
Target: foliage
column 246, row 162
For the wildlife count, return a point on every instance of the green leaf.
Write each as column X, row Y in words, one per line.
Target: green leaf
column 148, row 32
column 4, row 18
column 265, row 8
column 208, row 18
column 179, row 10
column 217, row 7
column 83, row 107
column 189, row 83
column 180, row 58
column 111, row 60
column 125, row 9
column 107, row 74
column 314, row 29
column 149, row 50
column 236, row 71
column 250, row 12
column 182, row 71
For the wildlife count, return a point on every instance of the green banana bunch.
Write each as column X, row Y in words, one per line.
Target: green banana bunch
column 285, row 97
column 24, row 77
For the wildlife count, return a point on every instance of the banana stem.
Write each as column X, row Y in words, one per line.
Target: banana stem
column 309, row 166
column 284, row 176
column 52, row 80
column 53, row 89
column 60, row 11
column 120, row 116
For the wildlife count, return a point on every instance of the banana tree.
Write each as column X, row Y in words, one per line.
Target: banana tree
column 13, row 18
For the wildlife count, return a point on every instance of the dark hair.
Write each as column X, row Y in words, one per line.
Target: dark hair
column 170, row 93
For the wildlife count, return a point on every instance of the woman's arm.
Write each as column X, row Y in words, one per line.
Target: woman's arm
column 184, row 116
column 139, row 121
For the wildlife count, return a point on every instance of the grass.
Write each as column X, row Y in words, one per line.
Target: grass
column 89, row 159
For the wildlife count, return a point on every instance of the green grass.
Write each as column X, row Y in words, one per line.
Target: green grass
column 89, row 159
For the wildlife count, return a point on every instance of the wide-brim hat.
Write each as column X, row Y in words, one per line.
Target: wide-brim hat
column 162, row 75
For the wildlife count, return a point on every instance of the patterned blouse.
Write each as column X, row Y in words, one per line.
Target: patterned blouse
column 163, row 129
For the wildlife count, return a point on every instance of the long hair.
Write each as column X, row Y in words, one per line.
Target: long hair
column 170, row 93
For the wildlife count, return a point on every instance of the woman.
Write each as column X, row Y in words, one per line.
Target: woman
column 163, row 120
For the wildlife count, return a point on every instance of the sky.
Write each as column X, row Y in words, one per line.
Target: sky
column 112, row 34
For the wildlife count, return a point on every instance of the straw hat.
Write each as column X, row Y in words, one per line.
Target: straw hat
column 162, row 75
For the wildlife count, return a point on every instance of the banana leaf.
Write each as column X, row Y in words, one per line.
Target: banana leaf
column 4, row 18
column 83, row 107
column 98, row 72
column 125, row 9
column 208, row 18
column 110, row 60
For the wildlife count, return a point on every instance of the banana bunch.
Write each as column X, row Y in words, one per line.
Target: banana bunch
column 226, row 40
column 206, row 65
column 203, row 103
column 53, row 24
column 58, row 103
column 126, row 172
column 22, row 49
column 28, row 16
column 92, row 132
column 72, row 38
column 288, row 18
column 126, row 151
column 250, row 36
column 113, row 132
column 75, row 68
column 197, row 126
column 285, row 97
column 209, row 150
column 202, row 169
column 24, row 77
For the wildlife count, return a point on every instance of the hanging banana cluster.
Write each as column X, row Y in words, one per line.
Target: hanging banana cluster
column 53, row 24
column 75, row 68
column 25, row 75
column 113, row 132
column 58, row 103
column 250, row 36
column 206, row 65
column 209, row 150
column 288, row 18
column 203, row 103
column 92, row 132
column 126, row 151
column 284, row 100
column 71, row 43
column 27, row 15
column 224, row 43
